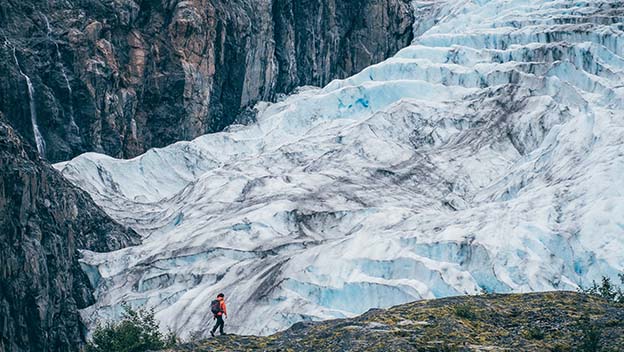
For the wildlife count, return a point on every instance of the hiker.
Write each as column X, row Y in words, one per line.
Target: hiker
column 218, row 309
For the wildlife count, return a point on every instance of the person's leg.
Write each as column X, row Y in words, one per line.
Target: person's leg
column 216, row 325
column 220, row 318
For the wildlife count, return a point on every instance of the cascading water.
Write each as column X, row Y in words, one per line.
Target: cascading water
column 72, row 121
column 33, row 112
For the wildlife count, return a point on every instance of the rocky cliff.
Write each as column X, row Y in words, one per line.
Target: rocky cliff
column 121, row 76
column 43, row 222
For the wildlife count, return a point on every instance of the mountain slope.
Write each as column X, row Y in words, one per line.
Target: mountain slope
column 553, row 321
column 121, row 76
column 486, row 156
column 44, row 220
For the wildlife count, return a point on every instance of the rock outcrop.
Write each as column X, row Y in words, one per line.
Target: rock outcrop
column 549, row 321
column 121, row 76
column 44, row 220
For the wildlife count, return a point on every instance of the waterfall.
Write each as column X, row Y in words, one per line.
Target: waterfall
column 33, row 112
column 72, row 122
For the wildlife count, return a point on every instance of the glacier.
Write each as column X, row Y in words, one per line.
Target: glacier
column 486, row 156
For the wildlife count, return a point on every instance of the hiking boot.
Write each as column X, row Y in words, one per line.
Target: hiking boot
column 212, row 333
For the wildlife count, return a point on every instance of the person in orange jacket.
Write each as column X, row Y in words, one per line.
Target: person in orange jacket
column 219, row 310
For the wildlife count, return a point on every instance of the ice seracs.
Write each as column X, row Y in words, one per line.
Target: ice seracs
column 486, row 156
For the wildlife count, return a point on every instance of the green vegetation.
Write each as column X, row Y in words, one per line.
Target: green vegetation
column 535, row 333
column 465, row 311
column 590, row 335
column 137, row 332
column 606, row 290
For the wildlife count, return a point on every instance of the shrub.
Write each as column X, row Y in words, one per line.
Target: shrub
column 465, row 311
column 606, row 289
column 535, row 333
column 590, row 335
column 137, row 332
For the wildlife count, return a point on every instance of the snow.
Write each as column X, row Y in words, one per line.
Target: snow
column 488, row 156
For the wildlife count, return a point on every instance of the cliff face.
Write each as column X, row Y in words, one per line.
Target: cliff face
column 121, row 76
column 43, row 222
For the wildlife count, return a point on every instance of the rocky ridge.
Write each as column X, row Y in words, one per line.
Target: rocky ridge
column 44, row 221
column 550, row 321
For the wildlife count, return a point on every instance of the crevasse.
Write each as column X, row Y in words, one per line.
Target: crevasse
column 486, row 156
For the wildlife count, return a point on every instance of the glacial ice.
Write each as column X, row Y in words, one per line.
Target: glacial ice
column 488, row 156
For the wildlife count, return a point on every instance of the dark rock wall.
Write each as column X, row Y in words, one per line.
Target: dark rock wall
column 121, row 76
column 44, row 220
column 319, row 40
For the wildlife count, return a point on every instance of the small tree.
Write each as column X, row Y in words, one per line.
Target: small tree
column 591, row 332
column 137, row 332
column 606, row 289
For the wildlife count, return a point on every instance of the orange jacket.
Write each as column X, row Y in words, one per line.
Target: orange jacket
column 223, row 307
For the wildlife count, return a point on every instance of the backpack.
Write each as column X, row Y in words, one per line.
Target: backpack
column 215, row 307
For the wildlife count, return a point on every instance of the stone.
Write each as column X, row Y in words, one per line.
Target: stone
column 44, row 222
